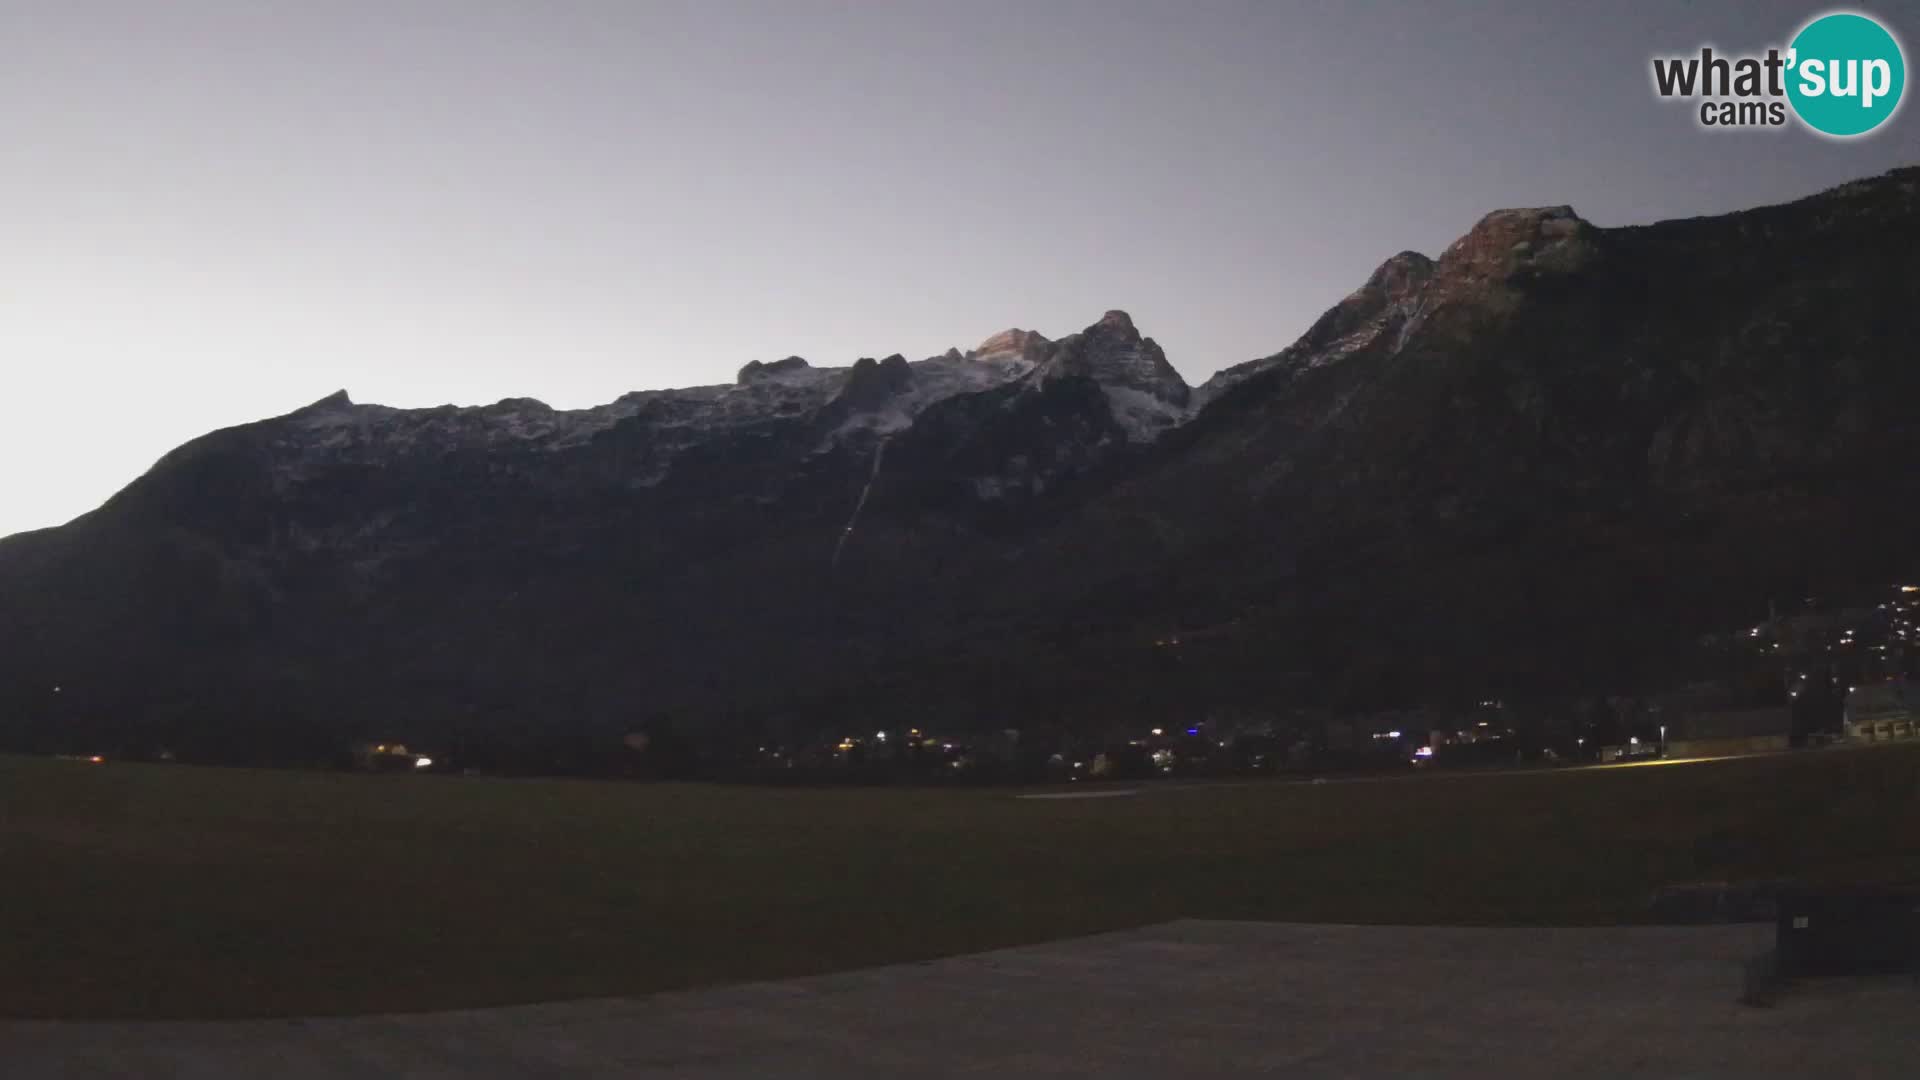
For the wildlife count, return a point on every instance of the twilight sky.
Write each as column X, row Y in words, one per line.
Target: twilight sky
column 216, row 212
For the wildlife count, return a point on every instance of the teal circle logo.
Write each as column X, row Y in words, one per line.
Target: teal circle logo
column 1845, row 74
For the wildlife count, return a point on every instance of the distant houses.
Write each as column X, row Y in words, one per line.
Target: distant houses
column 392, row 757
column 1883, row 711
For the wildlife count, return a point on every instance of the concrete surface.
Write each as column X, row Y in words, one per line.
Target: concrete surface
column 1188, row 999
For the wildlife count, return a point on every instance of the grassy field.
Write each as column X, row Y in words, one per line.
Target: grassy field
column 158, row 891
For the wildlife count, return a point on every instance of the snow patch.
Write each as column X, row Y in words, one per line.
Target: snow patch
column 934, row 380
column 1145, row 395
column 1142, row 415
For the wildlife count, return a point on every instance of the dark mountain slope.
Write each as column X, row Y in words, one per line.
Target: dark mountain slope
column 1542, row 463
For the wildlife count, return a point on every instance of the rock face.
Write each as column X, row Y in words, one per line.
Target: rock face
column 1014, row 346
column 1508, row 246
column 871, row 385
column 1146, row 395
column 757, row 371
column 1387, row 307
column 1542, row 463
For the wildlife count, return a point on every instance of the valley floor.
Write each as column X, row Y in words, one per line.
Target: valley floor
column 169, row 892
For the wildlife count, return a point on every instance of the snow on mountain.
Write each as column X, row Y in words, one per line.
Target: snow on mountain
column 1483, row 462
column 1146, row 394
column 936, row 379
column 868, row 400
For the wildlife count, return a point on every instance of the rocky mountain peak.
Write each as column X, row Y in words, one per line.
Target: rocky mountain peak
column 1113, row 353
column 871, row 383
column 1389, row 304
column 1013, row 340
column 1510, row 244
column 757, row 370
column 1401, row 276
column 336, row 400
column 519, row 405
column 1146, row 394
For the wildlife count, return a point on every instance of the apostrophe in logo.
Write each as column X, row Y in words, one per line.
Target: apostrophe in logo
column 1847, row 74
column 1843, row 75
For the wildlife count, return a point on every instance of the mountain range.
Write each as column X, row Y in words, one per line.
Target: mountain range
column 1542, row 463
